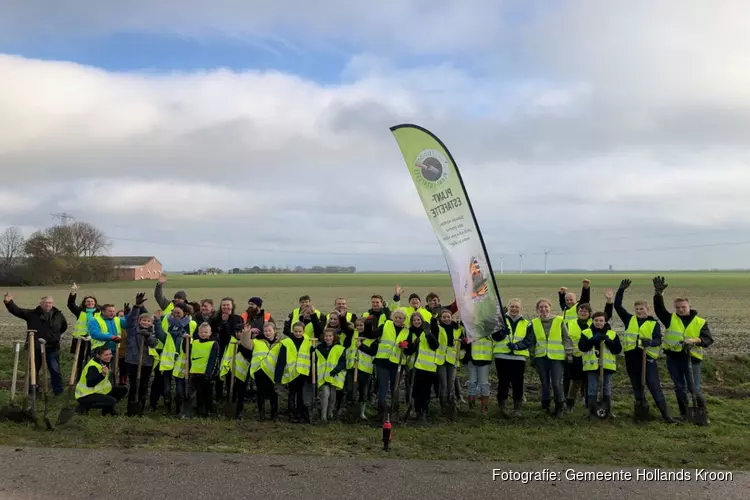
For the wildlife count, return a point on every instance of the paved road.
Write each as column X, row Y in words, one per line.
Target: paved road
column 61, row 474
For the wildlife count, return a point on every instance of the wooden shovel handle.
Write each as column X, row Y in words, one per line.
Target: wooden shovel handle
column 32, row 357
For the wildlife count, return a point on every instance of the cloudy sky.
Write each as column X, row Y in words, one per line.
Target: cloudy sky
column 254, row 132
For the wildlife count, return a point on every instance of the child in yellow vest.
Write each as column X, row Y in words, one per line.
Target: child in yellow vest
column 261, row 347
column 300, row 387
column 366, row 350
column 425, row 370
column 331, row 372
column 204, row 364
column 590, row 345
column 94, row 389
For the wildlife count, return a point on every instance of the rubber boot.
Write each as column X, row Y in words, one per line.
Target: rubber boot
column 503, row 404
column 683, row 405
column 484, row 403
column 664, row 410
column 261, row 409
column 362, row 407
column 545, row 405
column 559, row 409
column 608, row 406
column 591, row 405
column 517, row 409
column 472, row 400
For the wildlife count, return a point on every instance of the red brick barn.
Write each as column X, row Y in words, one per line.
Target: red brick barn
column 136, row 268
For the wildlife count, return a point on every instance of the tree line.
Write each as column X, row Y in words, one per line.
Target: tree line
column 293, row 270
column 56, row 255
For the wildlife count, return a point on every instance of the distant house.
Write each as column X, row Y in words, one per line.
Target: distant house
column 137, row 268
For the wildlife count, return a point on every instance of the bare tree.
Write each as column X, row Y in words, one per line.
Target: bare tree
column 87, row 240
column 12, row 245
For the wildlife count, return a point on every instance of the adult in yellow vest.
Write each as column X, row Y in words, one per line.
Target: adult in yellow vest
column 106, row 329
column 425, row 371
column 378, row 313
column 393, row 346
column 415, row 305
column 687, row 334
column 569, row 302
column 341, row 307
column 302, row 313
column 94, row 388
column 83, row 312
column 548, row 335
column 478, row 359
column 447, row 332
column 171, row 332
column 642, row 332
column 590, row 344
column 293, row 370
column 163, row 302
column 511, row 365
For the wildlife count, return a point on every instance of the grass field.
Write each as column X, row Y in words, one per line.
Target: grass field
column 720, row 297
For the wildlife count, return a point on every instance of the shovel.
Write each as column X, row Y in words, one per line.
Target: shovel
column 314, row 366
column 187, row 407
column 697, row 413
column 45, row 382
column 453, row 405
column 601, row 410
column 12, row 412
column 230, row 409
column 66, row 414
column 32, row 375
column 394, row 394
column 642, row 412
column 134, row 406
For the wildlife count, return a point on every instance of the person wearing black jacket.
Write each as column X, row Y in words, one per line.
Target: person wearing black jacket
column 589, row 344
column 635, row 340
column 680, row 348
column 90, row 306
column 105, row 396
column 49, row 323
column 425, row 370
column 205, row 312
column 225, row 325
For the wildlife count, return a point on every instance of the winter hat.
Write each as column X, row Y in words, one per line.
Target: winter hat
column 256, row 300
column 180, row 295
column 414, row 296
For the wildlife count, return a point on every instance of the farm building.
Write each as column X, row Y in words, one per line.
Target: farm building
column 137, row 268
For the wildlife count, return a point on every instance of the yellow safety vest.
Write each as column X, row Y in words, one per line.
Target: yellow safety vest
column 591, row 360
column 241, row 364
column 169, row 359
column 677, row 333
column 502, row 347
column 381, row 319
column 297, row 361
column 296, row 318
column 200, row 352
column 365, row 361
column 633, row 333
column 549, row 347
column 325, row 366
column 425, row 356
column 103, row 387
column 408, row 310
column 103, row 326
column 446, row 352
column 575, row 334
column 82, row 324
column 571, row 312
column 481, row 349
column 268, row 365
column 388, row 347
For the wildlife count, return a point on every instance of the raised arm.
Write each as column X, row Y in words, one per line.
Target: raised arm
column 623, row 313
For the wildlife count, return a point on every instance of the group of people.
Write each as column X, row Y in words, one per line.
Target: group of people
column 192, row 355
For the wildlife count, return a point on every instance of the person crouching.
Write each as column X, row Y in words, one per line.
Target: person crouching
column 94, row 389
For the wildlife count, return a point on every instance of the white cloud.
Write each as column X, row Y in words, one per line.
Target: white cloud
column 623, row 120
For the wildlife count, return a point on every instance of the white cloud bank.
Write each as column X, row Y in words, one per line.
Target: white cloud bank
column 625, row 126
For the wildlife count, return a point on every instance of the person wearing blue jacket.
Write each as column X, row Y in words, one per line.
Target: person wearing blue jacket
column 105, row 330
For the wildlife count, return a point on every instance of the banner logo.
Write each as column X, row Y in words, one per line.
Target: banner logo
column 432, row 166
